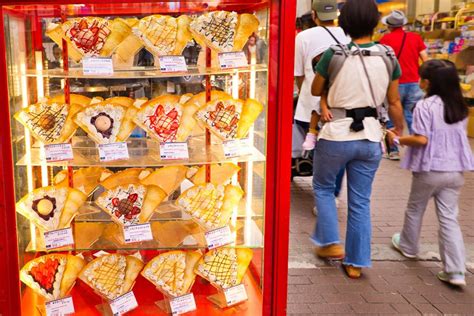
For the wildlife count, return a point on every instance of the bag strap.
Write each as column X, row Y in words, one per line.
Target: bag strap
column 378, row 107
column 330, row 33
column 403, row 45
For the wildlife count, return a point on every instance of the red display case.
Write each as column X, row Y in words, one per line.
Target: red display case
column 43, row 73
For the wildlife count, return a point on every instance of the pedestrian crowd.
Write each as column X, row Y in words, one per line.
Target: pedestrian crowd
column 347, row 85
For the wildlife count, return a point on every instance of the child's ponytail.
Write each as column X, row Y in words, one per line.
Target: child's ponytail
column 444, row 82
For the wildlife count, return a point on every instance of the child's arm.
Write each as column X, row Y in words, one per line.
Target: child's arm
column 411, row 140
column 326, row 114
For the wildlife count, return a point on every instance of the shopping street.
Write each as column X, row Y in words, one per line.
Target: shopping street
column 394, row 285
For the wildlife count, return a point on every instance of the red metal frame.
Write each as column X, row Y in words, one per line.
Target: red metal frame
column 279, row 114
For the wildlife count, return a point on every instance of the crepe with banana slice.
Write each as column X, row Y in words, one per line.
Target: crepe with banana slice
column 89, row 36
column 210, row 205
column 112, row 275
column 172, row 272
column 106, row 122
column 223, row 31
column 224, row 267
column 52, row 207
column 52, row 276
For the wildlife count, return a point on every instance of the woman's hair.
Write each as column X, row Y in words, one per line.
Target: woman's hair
column 444, row 82
column 359, row 18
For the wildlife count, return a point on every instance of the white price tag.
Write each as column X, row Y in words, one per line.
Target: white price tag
column 236, row 148
column 219, row 237
column 233, row 60
column 113, row 151
column 124, row 303
column 174, row 151
column 58, row 238
column 183, row 304
column 235, row 294
column 173, row 64
column 137, row 233
column 58, row 152
column 64, row 306
column 97, row 66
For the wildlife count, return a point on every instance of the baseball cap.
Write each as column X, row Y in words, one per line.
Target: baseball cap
column 325, row 9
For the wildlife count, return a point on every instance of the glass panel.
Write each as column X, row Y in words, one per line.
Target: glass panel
column 210, row 109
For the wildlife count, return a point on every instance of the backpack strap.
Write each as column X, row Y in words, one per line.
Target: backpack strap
column 341, row 52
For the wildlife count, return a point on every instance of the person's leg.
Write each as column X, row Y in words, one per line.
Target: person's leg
column 329, row 158
column 410, row 94
column 451, row 244
column 360, row 175
column 339, row 178
column 421, row 192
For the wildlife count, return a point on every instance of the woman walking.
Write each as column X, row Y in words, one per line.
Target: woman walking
column 438, row 154
column 360, row 76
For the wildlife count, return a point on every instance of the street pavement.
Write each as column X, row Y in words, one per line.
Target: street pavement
column 394, row 285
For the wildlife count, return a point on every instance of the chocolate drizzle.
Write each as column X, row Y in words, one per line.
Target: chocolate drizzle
column 48, row 123
column 219, row 31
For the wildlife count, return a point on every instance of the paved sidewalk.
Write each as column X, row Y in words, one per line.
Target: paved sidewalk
column 394, row 285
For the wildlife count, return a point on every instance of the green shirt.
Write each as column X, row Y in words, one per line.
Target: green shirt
column 323, row 64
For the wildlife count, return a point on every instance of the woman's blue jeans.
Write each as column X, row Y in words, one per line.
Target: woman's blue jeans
column 361, row 159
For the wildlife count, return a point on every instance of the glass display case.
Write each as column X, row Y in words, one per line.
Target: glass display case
column 147, row 167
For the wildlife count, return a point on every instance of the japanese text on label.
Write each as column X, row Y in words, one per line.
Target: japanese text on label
column 137, row 233
column 97, row 66
column 58, row 238
column 113, row 151
column 233, row 60
column 58, row 152
column 64, row 306
column 174, row 151
column 183, row 304
column 124, row 303
column 219, row 237
column 173, row 64
column 235, row 294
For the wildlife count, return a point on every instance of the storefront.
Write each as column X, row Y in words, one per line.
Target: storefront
column 145, row 157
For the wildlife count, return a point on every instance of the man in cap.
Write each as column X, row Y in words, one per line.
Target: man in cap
column 309, row 44
column 410, row 49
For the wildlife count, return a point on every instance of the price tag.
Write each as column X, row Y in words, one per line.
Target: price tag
column 219, row 237
column 174, row 151
column 58, row 238
column 97, row 66
column 233, row 60
column 236, row 148
column 235, row 294
column 64, row 306
column 183, row 304
column 173, row 64
column 137, row 233
column 124, row 303
column 113, row 151
column 58, row 152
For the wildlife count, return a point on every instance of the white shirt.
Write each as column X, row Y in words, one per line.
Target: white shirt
column 309, row 44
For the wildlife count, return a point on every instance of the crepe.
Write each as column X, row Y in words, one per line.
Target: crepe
column 224, row 267
column 172, row 272
column 223, row 31
column 89, row 36
column 129, row 175
column 220, row 173
column 50, row 122
column 164, row 35
column 209, row 205
column 52, row 207
column 167, row 178
column 107, row 122
column 52, row 276
column 84, row 179
column 131, row 204
column 166, row 119
column 112, row 275
column 229, row 118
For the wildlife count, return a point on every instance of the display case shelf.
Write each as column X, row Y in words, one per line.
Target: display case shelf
column 144, row 72
column 142, row 152
column 168, row 235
